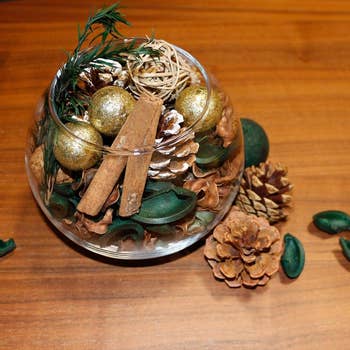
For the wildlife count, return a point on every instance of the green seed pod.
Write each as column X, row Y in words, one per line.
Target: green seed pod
column 211, row 156
column 121, row 229
column 59, row 206
column 345, row 244
column 7, row 246
column 256, row 143
column 293, row 258
column 332, row 221
column 163, row 203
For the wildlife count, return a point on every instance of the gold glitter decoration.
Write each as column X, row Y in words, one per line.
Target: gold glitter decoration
column 109, row 108
column 73, row 153
column 191, row 103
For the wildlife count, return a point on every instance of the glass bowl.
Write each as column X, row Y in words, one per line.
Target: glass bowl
column 177, row 210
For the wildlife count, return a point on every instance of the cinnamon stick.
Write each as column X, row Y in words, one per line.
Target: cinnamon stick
column 131, row 135
column 137, row 166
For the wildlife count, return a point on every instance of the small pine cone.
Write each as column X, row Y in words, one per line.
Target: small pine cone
column 171, row 161
column 244, row 250
column 263, row 191
column 103, row 72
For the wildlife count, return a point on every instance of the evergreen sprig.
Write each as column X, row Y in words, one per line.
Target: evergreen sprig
column 106, row 17
column 68, row 99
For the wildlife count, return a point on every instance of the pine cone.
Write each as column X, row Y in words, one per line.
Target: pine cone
column 170, row 161
column 103, row 72
column 263, row 191
column 244, row 250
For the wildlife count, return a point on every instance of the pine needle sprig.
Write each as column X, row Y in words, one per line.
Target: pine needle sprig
column 107, row 17
column 68, row 99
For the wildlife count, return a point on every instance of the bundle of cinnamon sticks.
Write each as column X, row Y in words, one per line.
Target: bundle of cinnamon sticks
column 137, row 133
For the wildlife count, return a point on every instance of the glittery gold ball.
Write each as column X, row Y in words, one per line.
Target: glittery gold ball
column 109, row 108
column 191, row 102
column 73, row 153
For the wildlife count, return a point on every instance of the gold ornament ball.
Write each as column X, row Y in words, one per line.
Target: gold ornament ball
column 109, row 108
column 191, row 102
column 73, row 153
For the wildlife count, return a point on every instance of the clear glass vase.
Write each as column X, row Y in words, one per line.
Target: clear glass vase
column 192, row 181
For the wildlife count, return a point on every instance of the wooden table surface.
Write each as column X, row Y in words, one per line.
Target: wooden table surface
column 286, row 64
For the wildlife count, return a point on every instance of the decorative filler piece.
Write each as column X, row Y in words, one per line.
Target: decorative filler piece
column 293, row 258
column 264, row 191
column 256, row 143
column 7, row 246
column 109, row 108
column 169, row 162
column 345, row 244
column 165, row 76
column 73, row 154
column 136, row 152
column 191, row 102
column 332, row 221
column 244, row 250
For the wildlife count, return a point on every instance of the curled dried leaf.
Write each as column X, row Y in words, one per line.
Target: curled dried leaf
column 99, row 227
column 228, row 126
column 112, row 198
column 230, row 170
column 207, row 192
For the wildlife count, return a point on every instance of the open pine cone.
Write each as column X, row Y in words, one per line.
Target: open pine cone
column 244, row 250
column 103, row 72
column 170, row 161
column 263, row 191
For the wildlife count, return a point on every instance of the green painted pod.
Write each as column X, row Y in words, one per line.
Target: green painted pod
column 345, row 244
column 212, row 156
column 256, row 142
column 7, row 246
column 64, row 189
column 60, row 206
column 332, row 221
column 293, row 258
column 121, row 229
column 164, row 203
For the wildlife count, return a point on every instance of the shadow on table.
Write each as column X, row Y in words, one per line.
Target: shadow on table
column 318, row 233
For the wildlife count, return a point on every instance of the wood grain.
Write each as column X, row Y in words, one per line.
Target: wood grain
column 286, row 65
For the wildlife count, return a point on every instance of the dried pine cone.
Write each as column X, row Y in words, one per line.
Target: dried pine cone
column 103, row 72
column 263, row 191
column 170, row 161
column 244, row 250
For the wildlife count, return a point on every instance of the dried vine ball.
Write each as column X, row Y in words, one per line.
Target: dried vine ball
column 109, row 108
column 191, row 103
column 164, row 75
column 72, row 152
